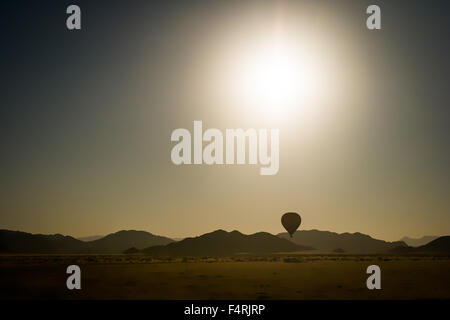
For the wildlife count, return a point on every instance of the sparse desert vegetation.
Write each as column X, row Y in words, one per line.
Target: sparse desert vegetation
column 288, row 276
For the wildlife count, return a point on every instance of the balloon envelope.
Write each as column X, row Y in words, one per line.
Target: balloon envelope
column 291, row 221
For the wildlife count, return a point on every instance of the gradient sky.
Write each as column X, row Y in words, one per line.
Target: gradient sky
column 86, row 118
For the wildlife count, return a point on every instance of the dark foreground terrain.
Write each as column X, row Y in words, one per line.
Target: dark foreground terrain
column 303, row 276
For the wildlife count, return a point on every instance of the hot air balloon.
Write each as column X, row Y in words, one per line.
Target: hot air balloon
column 291, row 221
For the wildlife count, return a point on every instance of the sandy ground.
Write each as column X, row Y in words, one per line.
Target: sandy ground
column 241, row 277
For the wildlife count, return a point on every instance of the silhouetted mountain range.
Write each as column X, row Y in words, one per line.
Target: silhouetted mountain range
column 122, row 240
column 440, row 245
column 216, row 243
column 22, row 242
column 416, row 242
column 90, row 238
column 220, row 243
column 341, row 242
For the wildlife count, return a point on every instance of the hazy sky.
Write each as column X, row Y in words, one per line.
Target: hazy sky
column 86, row 117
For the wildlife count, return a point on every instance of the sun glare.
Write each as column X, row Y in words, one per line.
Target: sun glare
column 275, row 80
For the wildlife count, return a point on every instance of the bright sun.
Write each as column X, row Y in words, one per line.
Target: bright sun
column 275, row 80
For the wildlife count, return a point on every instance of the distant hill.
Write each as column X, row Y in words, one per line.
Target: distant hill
column 416, row 242
column 90, row 238
column 132, row 250
column 222, row 243
column 440, row 245
column 125, row 239
column 22, row 242
column 341, row 242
